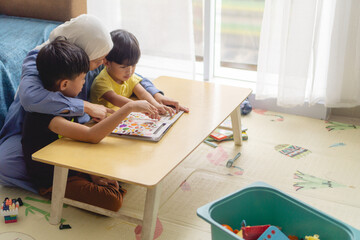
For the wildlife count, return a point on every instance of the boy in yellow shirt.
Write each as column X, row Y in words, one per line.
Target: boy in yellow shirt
column 118, row 81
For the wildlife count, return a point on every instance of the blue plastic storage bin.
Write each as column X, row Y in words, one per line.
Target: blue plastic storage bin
column 261, row 204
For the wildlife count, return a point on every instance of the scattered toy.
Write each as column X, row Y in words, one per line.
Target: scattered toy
column 244, row 136
column 20, row 202
column 211, row 144
column 231, row 161
column 221, row 134
column 64, row 226
column 10, row 210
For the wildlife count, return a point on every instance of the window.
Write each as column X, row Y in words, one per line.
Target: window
column 231, row 39
column 236, row 28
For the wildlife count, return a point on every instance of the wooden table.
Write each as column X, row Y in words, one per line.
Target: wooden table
column 141, row 162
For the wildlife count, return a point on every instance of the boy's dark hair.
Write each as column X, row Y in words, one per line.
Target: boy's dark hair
column 126, row 50
column 60, row 60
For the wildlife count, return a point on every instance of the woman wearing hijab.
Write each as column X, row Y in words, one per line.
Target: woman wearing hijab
column 88, row 33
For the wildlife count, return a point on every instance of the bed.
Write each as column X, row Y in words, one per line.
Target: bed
column 25, row 24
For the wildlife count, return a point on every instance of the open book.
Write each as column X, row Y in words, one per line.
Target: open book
column 138, row 126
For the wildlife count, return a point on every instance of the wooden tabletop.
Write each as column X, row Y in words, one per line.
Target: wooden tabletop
column 147, row 163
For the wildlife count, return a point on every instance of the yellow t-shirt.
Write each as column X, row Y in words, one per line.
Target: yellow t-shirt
column 104, row 83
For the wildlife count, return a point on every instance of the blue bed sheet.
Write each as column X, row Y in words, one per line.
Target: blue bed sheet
column 17, row 37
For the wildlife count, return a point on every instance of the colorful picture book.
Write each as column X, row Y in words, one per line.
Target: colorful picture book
column 139, row 126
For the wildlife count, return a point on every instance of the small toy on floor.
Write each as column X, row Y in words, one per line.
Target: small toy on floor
column 10, row 210
column 231, row 161
column 220, row 135
column 211, row 144
column 245, row 107
column 244, row 136
column 64, row 226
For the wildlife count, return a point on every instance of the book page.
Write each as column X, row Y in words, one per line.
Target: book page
column 138, row 124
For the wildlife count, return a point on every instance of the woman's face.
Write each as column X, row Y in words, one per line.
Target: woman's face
column 94, row 64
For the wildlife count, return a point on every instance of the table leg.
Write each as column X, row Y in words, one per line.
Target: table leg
column 58, row 193
column 236, row 125
column 152, row 203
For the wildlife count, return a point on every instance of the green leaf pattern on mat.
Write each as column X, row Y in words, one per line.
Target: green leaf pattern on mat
column 311, row 182
column 32, row 209
column 340, row 126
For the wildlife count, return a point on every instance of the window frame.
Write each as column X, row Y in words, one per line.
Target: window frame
column 212, row 65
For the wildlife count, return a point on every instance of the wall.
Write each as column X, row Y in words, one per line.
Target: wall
column 317, row 111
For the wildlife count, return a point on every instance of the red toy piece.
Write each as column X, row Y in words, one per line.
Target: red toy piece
column 253, row 232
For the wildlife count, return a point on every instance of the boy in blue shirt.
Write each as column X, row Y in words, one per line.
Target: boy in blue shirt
column 62, row 67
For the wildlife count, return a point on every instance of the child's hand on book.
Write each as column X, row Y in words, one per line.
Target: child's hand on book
column 164, row 110
column 170, row 102
column 146, row 108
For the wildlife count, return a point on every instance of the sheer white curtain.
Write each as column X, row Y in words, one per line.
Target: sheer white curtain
column 109, row 11
column 310, row 52
column 164, row 30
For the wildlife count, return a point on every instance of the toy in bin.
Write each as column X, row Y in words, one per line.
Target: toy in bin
column 315, row 237
column 253, row 232
column 10, row 210
column 260, row 204
column 273, row 233
column 261, row 232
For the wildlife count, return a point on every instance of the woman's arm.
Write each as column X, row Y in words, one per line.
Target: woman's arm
column 149, row 86
column 35, row 98
column 97, row 132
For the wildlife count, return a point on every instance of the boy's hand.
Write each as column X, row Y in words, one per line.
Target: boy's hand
column 104, row 181
column 164, row 109
column 145, row 107
column 96, row 111
column 170, row 102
